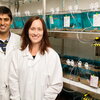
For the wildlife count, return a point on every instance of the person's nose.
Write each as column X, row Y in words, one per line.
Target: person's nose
column 2, row 22
column 36, row 31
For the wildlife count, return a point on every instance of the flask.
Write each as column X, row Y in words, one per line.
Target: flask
column 72, row 63
column 68, row 62
column 86, row 65
column 79, row 64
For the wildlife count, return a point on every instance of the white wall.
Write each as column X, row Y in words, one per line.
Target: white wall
column 62, row 4
column 33, row 7
column 4, row 4
column 82, row 4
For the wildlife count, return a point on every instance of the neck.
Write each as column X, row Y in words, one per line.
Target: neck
column 34, row 49
column 4, row 36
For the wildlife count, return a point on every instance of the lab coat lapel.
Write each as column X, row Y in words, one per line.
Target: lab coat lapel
column 37, row 58
column 30, row 58
column 11, row 44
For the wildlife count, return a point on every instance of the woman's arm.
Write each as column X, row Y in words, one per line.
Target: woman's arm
column 56, row 80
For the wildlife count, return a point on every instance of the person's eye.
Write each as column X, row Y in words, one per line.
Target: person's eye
column 40, row 29
column 6, row 19
column 32, row 28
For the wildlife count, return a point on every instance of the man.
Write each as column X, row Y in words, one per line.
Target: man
column 8, row 43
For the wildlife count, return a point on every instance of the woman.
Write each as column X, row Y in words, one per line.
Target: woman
column 35, row 70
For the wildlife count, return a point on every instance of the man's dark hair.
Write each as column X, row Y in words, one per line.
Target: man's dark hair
column 5, row 10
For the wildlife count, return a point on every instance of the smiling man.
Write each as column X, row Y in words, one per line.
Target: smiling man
column 8, row 43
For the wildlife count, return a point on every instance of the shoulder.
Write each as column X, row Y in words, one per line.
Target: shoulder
column 52, row 53
column 17, row 54
column 13, row 35
column 15, row 39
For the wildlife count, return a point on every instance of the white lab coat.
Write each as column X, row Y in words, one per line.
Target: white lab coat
column 14, row 42
column 35, row 79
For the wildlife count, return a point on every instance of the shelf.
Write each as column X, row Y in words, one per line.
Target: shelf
column 74, row 34
column 77, row 86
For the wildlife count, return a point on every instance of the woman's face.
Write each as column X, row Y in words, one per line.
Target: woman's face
column 36, row 32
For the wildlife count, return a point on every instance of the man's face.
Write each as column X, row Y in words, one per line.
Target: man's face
column 5, row 23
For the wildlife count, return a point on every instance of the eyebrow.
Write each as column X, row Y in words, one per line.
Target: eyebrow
column 4, row 18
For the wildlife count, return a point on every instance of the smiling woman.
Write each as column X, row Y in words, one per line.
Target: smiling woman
column 39, row 77
column 35, row 35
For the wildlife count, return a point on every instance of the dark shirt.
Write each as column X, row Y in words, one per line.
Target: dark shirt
column 33, row 56
column 3, row 45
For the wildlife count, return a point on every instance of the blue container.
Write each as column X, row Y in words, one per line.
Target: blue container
column 12, row 26
column 18, row 22
column 54, row 21
column 25, row 18
column 87, row 20
column 75, row 21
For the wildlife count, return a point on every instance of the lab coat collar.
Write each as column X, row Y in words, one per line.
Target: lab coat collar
column 5, row 40
column 10, row 43
column 9, row 46
column 31, row 61
column 26, row 53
